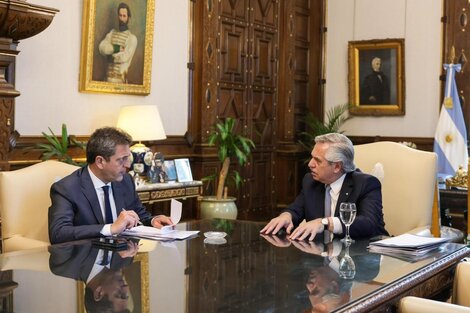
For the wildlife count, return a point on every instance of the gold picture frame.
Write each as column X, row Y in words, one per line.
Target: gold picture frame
column 124, row 65
column 379, row 91
column 137, row 277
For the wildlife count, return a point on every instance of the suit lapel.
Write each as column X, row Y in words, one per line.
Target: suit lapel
column 345, row 192
column 89, row 192
column 118, row 197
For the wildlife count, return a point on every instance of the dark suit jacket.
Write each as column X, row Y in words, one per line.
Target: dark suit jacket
column 358, row 187
column 77, row 260
column 376, row 87
column 75, row 212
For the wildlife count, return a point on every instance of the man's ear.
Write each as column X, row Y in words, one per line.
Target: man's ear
column 338, row 167
column 98, row 294
column 99, row 161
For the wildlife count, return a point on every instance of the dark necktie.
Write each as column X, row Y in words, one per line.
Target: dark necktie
column 107, row 206
column 105, row 259
column 327, row 201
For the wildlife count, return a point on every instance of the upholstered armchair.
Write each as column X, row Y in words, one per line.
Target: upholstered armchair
column 460, row 301
column 409, row 187
column 24, row 203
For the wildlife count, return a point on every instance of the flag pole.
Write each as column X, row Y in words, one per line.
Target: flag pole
column 468, row 207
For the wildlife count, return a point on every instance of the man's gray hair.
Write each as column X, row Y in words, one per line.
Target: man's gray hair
column 341, row 150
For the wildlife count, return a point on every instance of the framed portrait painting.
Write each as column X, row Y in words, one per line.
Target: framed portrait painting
column 116, row 52
column 376, row 77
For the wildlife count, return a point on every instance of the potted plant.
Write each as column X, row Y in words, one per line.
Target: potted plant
column 57, row 148
column 230, row 145
column 335, row 117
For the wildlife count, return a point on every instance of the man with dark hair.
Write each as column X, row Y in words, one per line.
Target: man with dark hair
column 99, row 199
column 333, row 179
column 119, row 47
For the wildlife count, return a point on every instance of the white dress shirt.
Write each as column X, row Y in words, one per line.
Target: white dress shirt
column 334, row 193
column 98, row 185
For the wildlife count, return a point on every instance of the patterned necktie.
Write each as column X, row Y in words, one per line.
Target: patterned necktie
column 107, row 206
column 327, row 201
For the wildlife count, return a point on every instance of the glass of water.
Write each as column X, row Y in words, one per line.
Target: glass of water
column 347, row 214
column 347, row 268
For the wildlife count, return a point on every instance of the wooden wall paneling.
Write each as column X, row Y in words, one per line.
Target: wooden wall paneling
column 8, row 94
column 456, row 35
column 300, row 89
column 238, row 78
column 262, row 107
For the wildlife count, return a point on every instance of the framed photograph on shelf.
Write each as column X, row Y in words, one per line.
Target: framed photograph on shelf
column 377, row 77
column 170, row 170
column 183, row 170
column 116, row 56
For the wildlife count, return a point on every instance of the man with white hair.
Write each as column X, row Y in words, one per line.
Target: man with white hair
column 375, row 88
column 333, row 179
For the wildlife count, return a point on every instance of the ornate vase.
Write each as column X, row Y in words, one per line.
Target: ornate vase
column 223, row 208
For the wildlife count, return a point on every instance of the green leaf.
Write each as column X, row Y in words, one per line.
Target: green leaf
column 335, row 118
column 65, row 138
column 58, row 148
column 230, row 144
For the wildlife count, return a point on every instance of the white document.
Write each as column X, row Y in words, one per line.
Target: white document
column 166, row 232
column 409, row 241
column 159, row 234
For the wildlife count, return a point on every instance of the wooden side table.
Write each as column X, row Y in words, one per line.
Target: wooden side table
column 150, row 193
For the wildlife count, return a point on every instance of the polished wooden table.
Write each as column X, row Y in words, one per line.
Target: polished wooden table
column 243, row 272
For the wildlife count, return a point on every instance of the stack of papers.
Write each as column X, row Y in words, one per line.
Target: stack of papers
column 168, row 232
column 406, row 246
column 165, row 233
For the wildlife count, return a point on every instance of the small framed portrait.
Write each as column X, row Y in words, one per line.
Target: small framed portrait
column 377, row 77
column 156, row 173
column 170, row 170
column 183, row 170
column 116, row 52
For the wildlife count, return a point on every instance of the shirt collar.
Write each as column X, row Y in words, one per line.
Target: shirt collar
column 337, row 184
column 97, row 183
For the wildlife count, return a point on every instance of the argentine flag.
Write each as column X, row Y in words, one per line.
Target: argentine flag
column 450, row 140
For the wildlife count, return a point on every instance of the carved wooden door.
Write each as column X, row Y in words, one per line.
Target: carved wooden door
column 237, row 49
column 239, row 77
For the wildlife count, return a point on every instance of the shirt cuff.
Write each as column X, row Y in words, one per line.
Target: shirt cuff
column 106, row 230
column 337, row 228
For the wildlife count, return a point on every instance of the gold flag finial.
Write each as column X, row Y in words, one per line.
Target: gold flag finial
column 452, row 55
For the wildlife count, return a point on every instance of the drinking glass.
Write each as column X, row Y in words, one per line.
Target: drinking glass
column 347, row 268
column 347, row 214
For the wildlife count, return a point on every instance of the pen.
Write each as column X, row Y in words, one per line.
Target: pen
column 138, row 222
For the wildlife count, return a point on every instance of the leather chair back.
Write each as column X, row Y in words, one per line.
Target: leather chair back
column 24, row 203
column 408, row 179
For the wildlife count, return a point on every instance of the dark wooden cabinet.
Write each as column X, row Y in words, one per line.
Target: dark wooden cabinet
column 454, row 209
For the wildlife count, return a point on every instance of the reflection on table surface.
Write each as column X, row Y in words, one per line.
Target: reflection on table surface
column 246, row 272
